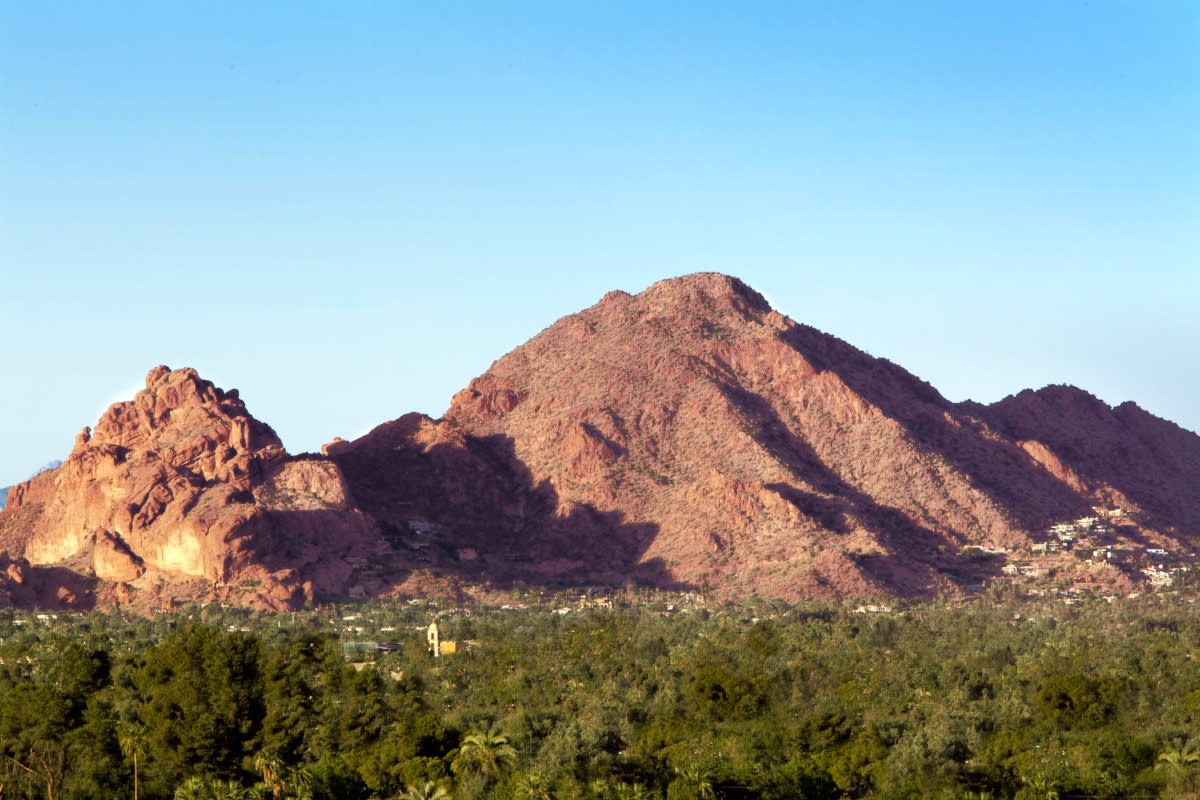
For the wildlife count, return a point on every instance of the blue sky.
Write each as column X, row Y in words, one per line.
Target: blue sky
column 348, row 210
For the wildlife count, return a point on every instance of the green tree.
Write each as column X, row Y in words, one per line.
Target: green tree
column 199, row 695
column 1180, row 761
column 267, row 764
column 691, row 783
column 132, row 738
column 1039, row 787
column 194, row 788
column 485, row 753
column 51, row 720
column 426, row 791
column 200, row 788
column 533, row 786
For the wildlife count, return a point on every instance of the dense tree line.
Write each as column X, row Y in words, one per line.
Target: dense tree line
column 1000, row 700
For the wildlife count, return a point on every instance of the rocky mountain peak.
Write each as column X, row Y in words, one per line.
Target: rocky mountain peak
column 706, row 292
column 181, row 483
column 179, row 415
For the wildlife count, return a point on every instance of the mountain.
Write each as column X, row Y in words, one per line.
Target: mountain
column 180, row 492
column 1121, row 457
column 689, row 437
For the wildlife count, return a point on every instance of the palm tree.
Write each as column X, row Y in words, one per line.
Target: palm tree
column 133, row 741
column 267, row 762
column 1042, row 788
column 699, row 781
column 484, row 753
column 427, row 791
column 198, row 788
column 599, row 789
column 534, row 786
column 226, row 790
column 1181, row 761
column 194, row 788
column 632, row 791
column 297, row 782
column 281, row 780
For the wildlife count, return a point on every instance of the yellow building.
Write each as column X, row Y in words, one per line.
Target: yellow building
column 437, row 645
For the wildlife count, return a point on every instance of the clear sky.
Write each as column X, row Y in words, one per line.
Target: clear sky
column 348, row 210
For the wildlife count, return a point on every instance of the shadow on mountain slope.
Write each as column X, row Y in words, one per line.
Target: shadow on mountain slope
column 1032, row 497
column 468, row 507
column 1153, row 462
column 836, row 505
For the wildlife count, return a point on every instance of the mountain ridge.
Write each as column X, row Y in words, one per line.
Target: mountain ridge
column 687, row 437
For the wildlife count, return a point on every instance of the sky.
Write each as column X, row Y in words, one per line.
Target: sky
column 348, row 210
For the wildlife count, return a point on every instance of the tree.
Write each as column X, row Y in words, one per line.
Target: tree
column 1040, row 787
column 426, row 791
column 199, row 694
column 46, row 714
column 693, row 783
column 533, row 786
column 268, row 763
column 484, row 753
column 298, row 782
column 45, row 762
column 132, row 738
column 1180, row 761
column 281, row 780
column 633, row 791
column 227, row 790
column 194, row 788
column 198, row 788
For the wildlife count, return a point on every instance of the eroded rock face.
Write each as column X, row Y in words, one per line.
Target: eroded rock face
column 27, row 586
column 692, row 436
column 181, row 482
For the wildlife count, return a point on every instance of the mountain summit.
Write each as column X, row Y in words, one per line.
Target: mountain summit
column 689, row 437
column 693, row 436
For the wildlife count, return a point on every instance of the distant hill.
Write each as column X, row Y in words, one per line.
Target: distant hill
column 4, row 495
column 689, row 437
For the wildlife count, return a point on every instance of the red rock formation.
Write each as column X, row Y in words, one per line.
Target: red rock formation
column 693, row 436
column 27, row 586
column 181, row 482
column 689, row 436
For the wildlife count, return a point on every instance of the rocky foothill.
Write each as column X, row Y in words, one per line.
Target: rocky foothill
column 688, row 437
column 180, row 494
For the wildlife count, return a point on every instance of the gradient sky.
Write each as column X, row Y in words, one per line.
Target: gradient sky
column 348, row 210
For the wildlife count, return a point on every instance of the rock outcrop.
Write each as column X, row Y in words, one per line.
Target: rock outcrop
column 27, row 586
column 182, row 483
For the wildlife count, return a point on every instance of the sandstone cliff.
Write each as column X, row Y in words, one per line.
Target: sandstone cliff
column 181, row 484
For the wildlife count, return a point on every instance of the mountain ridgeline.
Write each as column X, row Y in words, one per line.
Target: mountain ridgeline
column 689, row 437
